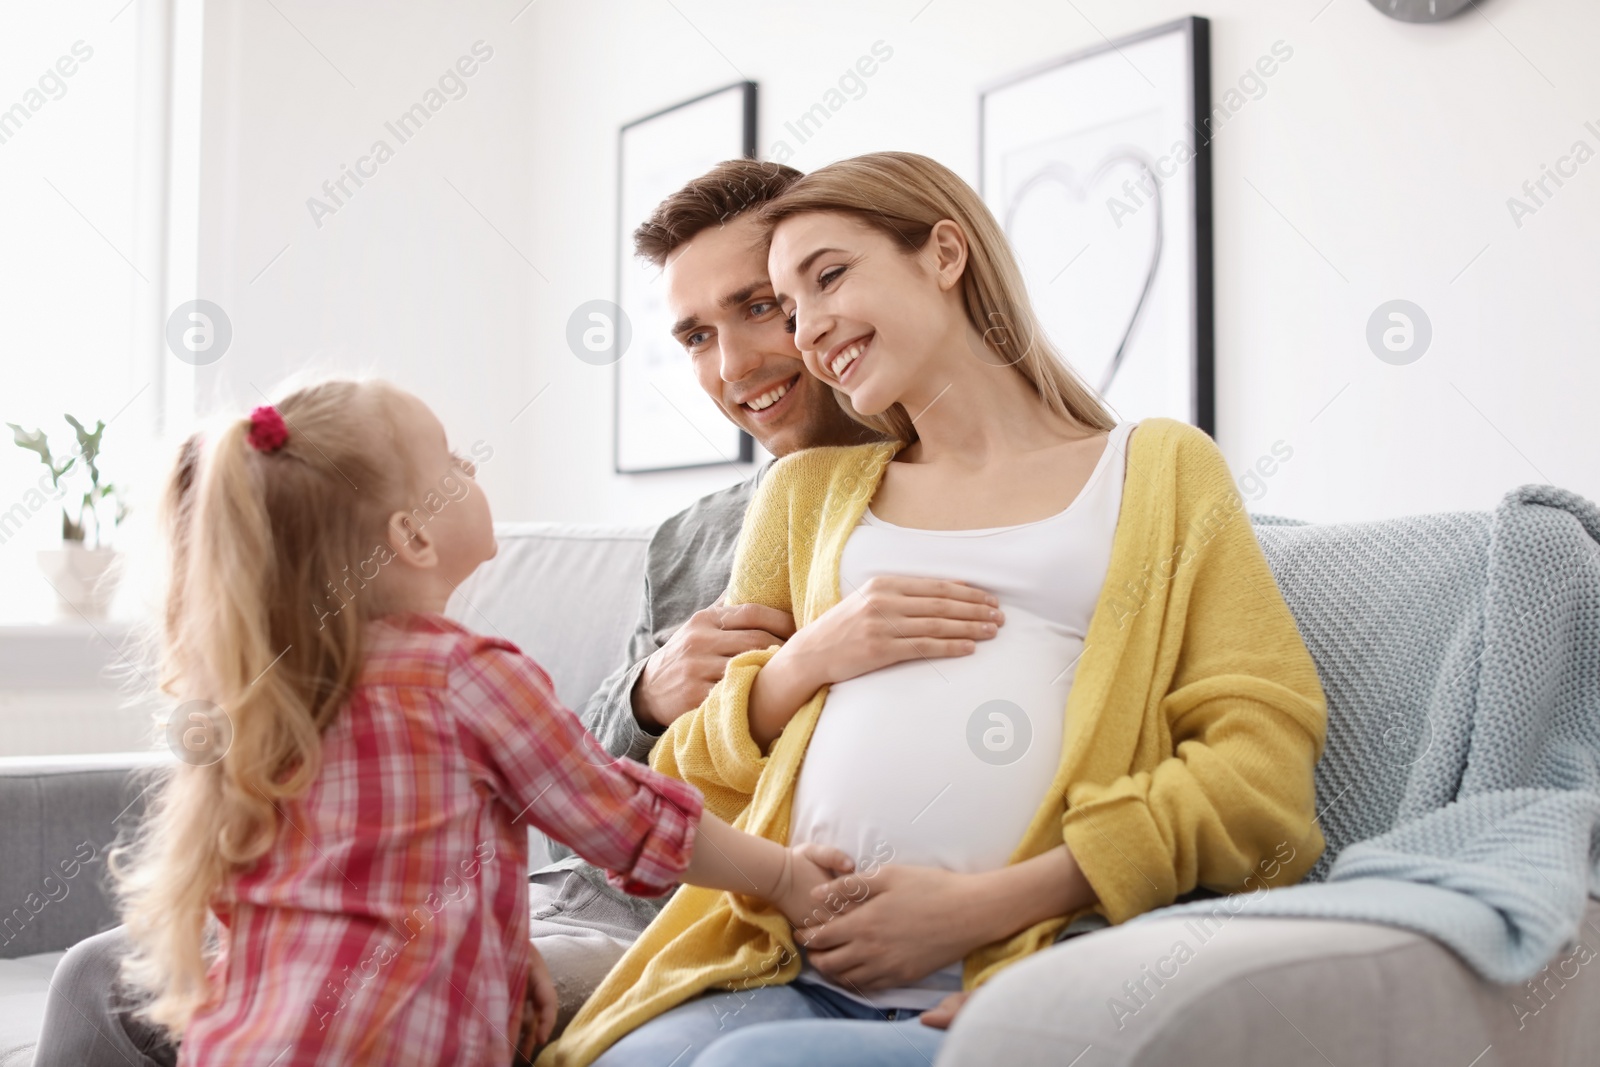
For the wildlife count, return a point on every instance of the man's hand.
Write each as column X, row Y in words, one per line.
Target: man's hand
column 897, row 926
column 679, row 674
column 888, row 619
column 539, row 1006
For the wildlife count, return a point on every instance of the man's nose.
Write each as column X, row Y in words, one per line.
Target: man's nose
column 738, row 361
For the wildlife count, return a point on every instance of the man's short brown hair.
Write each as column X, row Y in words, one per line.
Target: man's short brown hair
column 718, row 196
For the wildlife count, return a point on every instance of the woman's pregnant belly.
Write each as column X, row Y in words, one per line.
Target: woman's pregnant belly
column 941, row 762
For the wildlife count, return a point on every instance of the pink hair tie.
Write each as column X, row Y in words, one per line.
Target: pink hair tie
column 267, row 431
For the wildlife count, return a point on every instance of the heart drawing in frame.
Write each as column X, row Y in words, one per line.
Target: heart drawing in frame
column 1050, row 219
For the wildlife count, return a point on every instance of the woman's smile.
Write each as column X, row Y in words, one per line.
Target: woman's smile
column 843, row 358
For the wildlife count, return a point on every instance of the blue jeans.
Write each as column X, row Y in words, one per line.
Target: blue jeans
column 794, row 1025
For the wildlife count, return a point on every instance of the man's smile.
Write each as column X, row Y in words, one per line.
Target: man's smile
column 769, row 403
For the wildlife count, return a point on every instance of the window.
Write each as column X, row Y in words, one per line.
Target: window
column 89, row 98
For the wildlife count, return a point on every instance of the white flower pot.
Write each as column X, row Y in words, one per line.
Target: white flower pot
column 84, row 578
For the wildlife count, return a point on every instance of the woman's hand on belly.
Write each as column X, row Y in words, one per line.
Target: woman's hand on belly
column 904, row 922
column 915, row 921
column 891, row 618
column 888, row 620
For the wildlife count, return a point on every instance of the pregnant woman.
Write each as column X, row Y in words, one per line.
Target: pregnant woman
column 1140, row 722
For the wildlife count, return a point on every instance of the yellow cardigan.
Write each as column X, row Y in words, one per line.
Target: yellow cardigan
column 1192, row 727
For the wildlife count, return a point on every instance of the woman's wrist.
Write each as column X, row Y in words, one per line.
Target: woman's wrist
column 1019, row 895
column 987, row 909
column 781, row 686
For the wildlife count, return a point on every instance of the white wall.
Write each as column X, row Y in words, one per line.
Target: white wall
column 1377, row 165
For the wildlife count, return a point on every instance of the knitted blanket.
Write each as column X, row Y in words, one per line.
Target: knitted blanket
column 1460, row 789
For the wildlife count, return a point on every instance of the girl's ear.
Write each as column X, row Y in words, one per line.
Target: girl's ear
column 411, row 542
column 946, row 249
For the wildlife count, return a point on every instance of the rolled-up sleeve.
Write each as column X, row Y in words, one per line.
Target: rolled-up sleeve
column 635, row 823
column 667, row 844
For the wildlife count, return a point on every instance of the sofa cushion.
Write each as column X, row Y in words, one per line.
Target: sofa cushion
column 1258, row 992
column 566, row 595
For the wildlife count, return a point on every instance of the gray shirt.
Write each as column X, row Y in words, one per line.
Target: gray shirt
column 687, row 567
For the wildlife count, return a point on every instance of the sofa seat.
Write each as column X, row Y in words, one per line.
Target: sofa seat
column 23, row 984
column 1261, row 992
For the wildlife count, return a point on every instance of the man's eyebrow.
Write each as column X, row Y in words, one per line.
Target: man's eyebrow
column 740, row 295
column 733, row 299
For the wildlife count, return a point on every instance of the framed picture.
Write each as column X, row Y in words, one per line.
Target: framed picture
column 664, row 421
column 1097, row 168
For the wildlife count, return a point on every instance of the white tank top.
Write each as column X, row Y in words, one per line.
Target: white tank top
column 943, row 762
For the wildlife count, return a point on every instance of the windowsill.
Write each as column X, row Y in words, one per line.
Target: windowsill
column 64, row 654
column 69, row 687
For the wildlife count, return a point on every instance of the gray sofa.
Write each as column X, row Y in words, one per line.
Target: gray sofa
column 1262, row 991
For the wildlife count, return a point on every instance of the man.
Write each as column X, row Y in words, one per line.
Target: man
column 712, row 250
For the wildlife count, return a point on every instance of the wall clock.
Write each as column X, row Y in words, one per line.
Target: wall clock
column 1420, row 10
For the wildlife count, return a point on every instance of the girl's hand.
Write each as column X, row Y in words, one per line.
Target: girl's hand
column 897, row 926
column 809, row 866
column 538, row 1007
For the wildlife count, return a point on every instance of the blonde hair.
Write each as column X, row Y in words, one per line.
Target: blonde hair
column 903, row 195
column 256, row 541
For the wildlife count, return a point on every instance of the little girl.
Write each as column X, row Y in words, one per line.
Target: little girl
column 349, row 807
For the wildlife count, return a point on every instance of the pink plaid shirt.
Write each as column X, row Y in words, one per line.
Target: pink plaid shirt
column 388, row 923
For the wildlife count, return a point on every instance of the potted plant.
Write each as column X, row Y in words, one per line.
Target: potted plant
column 81, row 569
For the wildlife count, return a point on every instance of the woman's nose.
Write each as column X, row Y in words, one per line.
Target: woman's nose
column 809, row 330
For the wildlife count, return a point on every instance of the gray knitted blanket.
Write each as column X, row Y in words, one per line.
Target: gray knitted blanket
column 1460, row 788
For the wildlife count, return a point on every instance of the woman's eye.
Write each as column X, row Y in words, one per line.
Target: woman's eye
column 829, row 276
column 788, row 323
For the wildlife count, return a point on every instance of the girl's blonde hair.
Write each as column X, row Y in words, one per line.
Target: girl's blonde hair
column 267, row 595
column 903, row 195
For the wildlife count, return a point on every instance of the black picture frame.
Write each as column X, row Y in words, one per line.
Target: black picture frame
column 645, row 330
column 1196, row 109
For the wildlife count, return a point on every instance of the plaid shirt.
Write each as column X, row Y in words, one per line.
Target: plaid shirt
column 388, row 923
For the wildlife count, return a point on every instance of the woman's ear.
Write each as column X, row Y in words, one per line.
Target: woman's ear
column 410, row 541
column 946, row 249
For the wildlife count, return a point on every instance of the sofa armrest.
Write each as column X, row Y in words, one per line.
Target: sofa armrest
column 1253, row 992
column 62, row 813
